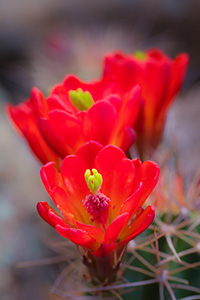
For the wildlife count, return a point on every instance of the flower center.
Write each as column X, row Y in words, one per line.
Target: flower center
column 94, row 182
column 140, row 55
column 96, row 205
column 80, row 99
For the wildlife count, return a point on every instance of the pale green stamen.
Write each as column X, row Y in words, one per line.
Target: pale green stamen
column 94, row 181
column 80, row 99
column 140, row 55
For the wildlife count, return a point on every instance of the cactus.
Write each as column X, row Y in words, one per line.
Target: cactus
column 161, row 264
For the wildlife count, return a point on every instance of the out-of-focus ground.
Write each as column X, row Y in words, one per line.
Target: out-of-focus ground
column 41, row 42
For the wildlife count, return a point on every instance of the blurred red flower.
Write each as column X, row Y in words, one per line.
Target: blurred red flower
column 74, row 113
column 100, row 193
column 160, row 79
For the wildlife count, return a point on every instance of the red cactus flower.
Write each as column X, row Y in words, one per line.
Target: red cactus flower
column 100, row 193
column 74, row 113
column 160, row 79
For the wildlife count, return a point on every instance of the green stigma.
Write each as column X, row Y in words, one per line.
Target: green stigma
column 80, row 99
column 94, row 181
column 140, row 55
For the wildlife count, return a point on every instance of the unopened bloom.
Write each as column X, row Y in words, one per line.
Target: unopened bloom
column 160, row 79
column 99, row 193
column 74, row 113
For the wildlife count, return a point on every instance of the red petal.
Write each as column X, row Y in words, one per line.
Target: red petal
column 77, row 236
column 131, row 205
column 131, row 106
column 60, row 131
column 106, row 162
column 100, row 121
column 51, row 178
column 67, row 197
column 61, row 92
column 97, row 89
column 115, row 100
column 115, row 228
column 73, row 170
column 139, row 224
column 93, row 231
column 72, row 82
column 55, row 102
column 146, row 178
column 88, row 153
column 71, row 208
column 123, row 135
column 136, row 162
column 179, row 68
column 39, row 103
column 73, row 173
column 45, row 211
column 25, row 120
column 126, row 138
column 123, row 69
column 104, row 250
column 58, row 220
column 120, row 186
column 147, row 173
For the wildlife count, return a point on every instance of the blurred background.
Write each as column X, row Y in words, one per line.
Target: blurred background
column 41, row 42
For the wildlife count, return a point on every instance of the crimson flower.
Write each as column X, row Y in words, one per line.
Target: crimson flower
column 74, row 113
column 99, row 193
column 160, row 79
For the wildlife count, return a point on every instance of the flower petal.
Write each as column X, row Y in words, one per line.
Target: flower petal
column 55, row 102
column 120, row 186
column 77, row 236
column 104, row 249
column 39, row 102
column 51, row 178
column 131, row 205
column 73, row 173
column 146, row 178
column 127, row 137
column 93, row 231
column 100, row 121
column 138, row 225
column 147, row 173
column 60, row 130
column 49, row 214
column 115, row 228
column 115, row 100
column 98, row 89
column 105, row 163
column 65, row 194
column 71, row 208
column 26, row 122
column 130, row 106
column 57, row 219
column 62, row 93
column 88, row 153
